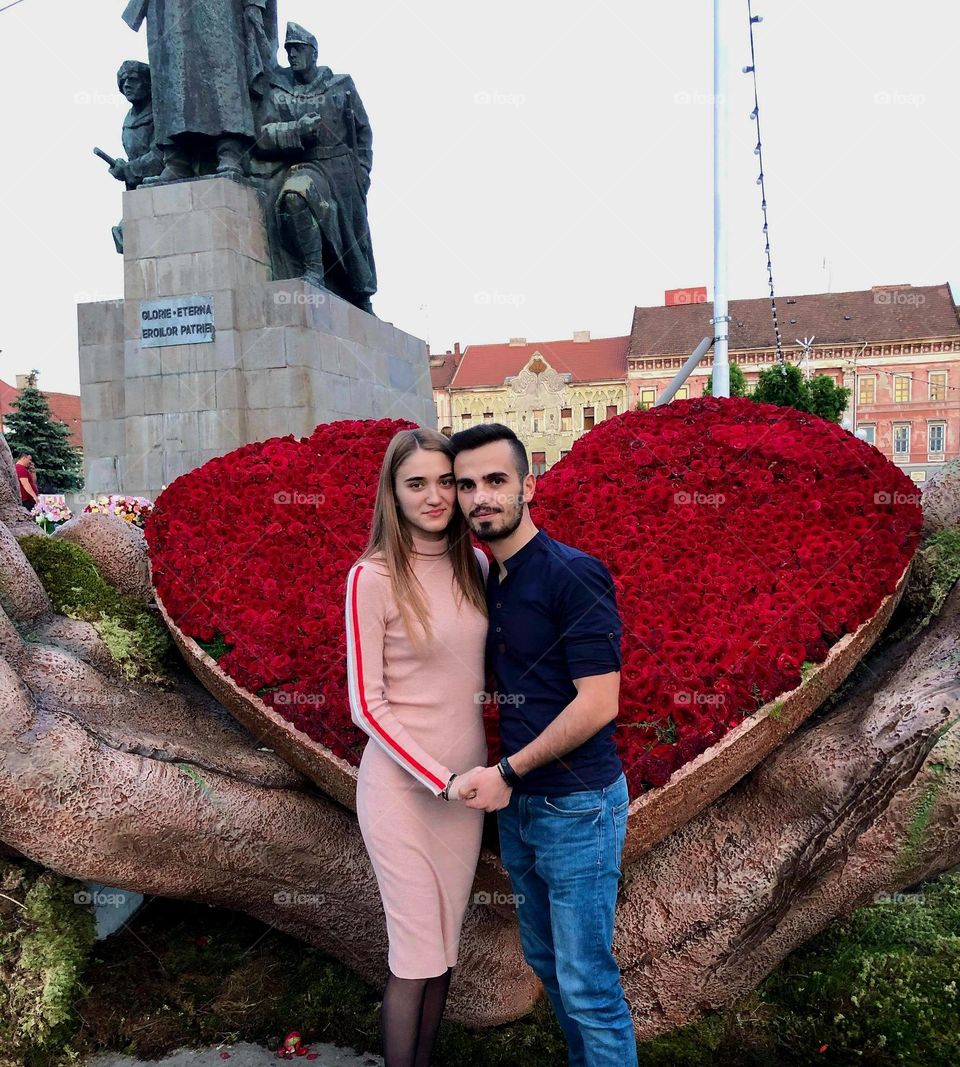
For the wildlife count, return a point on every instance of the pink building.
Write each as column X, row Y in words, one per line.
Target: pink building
column 896, row 347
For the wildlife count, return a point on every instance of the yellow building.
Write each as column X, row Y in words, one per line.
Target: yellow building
column 548, row 392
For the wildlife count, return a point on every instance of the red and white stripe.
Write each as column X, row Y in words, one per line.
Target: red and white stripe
column 359, row 709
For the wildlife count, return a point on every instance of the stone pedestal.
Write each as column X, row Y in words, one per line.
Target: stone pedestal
column 284, row 355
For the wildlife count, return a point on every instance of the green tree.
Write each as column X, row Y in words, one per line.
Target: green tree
column 31, row 429
column 738, row 382
column 786, row 386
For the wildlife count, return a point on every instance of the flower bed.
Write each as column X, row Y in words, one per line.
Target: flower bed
column 745, row 540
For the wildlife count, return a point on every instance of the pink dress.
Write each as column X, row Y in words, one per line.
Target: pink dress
column 420, row 708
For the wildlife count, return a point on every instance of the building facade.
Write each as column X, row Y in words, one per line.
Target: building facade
column 897, row 348
column 548, row 392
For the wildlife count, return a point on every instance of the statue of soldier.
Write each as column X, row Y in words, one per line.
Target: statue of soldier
column 144, row 159
column 314, row 152
column 208, row 57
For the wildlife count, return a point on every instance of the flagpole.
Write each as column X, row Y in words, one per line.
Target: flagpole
column 721, row 317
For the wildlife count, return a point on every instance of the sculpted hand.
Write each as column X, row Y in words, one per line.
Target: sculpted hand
column 119, row 170
column 254, row 15
column 492, row 792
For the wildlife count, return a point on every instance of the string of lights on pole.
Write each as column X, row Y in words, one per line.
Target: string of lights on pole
column 761, row 181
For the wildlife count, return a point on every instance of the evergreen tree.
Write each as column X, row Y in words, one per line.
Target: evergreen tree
column 738, row 382
column 31, row 429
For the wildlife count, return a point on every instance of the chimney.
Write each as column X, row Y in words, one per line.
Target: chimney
column 581, row 336
column 23, row 381
column 456, row 348
column 517, row 342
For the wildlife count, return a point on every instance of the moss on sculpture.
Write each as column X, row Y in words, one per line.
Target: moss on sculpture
column 46, row 937
column 137, row 638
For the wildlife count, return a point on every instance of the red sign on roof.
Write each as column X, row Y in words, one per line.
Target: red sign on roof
column 672, row 297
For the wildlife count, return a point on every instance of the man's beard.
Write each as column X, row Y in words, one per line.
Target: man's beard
column 497, row 534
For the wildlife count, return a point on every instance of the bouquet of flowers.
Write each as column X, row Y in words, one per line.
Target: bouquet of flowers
column 49, row 513
column 134, row 509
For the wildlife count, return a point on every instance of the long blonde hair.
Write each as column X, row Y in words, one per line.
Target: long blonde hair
column 391, row 538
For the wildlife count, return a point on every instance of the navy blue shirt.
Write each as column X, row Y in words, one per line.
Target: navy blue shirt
column 553, row 618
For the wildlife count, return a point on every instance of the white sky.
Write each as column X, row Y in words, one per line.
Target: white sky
column 539, row 167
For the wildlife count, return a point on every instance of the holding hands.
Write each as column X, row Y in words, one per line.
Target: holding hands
column 481, row 787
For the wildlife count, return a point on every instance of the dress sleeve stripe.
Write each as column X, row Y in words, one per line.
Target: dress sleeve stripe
column 356, row 687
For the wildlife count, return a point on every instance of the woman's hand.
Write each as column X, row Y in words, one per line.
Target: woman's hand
column 454, row 792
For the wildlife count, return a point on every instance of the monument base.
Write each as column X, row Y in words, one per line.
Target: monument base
column 273, row 357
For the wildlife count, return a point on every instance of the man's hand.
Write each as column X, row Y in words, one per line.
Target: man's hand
column 461, row 788
column 119, row 170
column 491, row 792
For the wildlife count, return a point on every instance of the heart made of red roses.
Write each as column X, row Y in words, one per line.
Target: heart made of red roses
column 750, row 545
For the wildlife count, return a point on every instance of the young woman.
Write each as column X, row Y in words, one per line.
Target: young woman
column 416, row 628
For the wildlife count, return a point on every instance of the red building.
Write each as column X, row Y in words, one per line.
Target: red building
column 896, row 347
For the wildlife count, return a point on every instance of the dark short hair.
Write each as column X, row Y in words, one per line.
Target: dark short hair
column 485, row 433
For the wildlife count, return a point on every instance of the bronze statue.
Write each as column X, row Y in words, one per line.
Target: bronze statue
column 144, row 159
column 314, row 154
column 208, row 57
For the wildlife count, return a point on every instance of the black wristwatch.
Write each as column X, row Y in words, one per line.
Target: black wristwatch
column 508, row 774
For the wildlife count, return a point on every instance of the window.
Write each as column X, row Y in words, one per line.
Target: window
column 538, row 421
column 588, row 418
column 466, row 418
column 901, row 388
column 867, row 389
column 611, row 410
column 647, row 398
column 938, row 385
column 936, row 436
column 682, row 393
column 566, row 420
column 564, row 452
column 901, row 439
column 510, row 419
column 488, row 416
column 869, row 432
column 538, row 463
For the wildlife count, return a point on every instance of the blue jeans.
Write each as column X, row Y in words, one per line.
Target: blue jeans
column 563, row 857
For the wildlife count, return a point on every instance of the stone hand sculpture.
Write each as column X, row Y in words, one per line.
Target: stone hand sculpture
column 208, row 58
column 164, row 793
column 144, row 159
column 314, row 153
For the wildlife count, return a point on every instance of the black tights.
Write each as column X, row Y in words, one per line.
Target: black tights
column 412, row 1010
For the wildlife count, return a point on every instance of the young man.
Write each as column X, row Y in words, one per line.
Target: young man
column 553, row 646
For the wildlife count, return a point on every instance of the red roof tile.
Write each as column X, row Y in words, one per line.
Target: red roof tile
column 883, row 313
column 63, row 406
column 442, row 372
column 599, row 360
